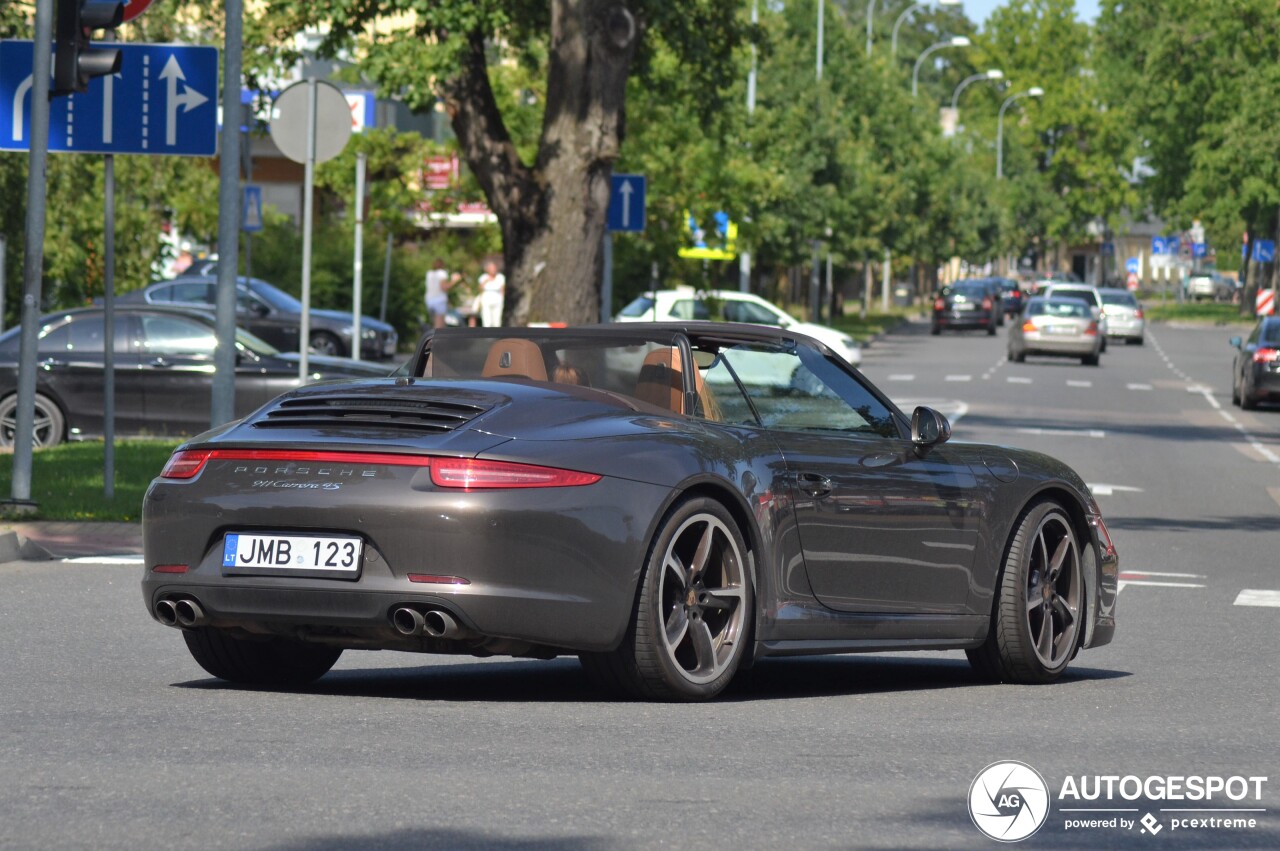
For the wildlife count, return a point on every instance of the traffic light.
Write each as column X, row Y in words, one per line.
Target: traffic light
column 75, row 63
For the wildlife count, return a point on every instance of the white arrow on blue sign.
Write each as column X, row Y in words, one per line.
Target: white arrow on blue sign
column 163, row 101
column 1131, row 265
column 1158, row 245
column 251, row 217
column 626, row 202
column 1264, row 251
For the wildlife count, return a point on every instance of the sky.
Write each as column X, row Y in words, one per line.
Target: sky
column 979, row 10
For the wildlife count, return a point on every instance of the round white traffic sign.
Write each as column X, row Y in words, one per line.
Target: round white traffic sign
column 289, row 113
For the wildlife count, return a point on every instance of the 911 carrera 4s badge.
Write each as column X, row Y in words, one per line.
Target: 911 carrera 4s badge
column 292, row 554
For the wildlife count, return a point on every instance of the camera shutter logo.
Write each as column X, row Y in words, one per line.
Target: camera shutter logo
column 1008, row 801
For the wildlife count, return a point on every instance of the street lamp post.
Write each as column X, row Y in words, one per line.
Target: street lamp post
column 910, row 9
column 993, row 74
column 954, row 41
column 1033, row 92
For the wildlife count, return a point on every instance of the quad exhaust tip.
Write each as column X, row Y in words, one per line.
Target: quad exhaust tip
column 182, row 612
column 434, row 623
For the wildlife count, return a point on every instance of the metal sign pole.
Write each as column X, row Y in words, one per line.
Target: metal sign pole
column 109, row 330
column 606, row 283
column 33, row 257
column 223, row 393
column 357, row 285
column 308, row 191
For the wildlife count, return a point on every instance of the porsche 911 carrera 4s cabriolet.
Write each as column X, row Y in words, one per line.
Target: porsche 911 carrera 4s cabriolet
column 668, row 502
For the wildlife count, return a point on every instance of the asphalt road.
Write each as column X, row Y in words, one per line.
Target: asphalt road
column 114, row 738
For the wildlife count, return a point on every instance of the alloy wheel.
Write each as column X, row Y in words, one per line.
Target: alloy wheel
column 1053, row 591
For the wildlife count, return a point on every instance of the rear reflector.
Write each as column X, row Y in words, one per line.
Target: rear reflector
column 438, row 580
column 170, row 568
column 473, row 474
column 185, row 465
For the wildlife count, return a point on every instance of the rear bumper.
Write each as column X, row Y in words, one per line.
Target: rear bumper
column 1041, row 344
column 964, row 319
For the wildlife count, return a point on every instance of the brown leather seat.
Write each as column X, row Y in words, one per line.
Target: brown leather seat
column 512, row 357
column 662, row 384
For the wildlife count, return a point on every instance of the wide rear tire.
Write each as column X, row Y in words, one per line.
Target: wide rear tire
column 691, row 626
column 271, row 662
column 1038, row 612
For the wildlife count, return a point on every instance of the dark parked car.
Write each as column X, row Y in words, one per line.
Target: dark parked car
column 964, row 305
column 668, row 502
column 272, row 314
column 1012, row 298
column 1255, row 371
column 163, row 375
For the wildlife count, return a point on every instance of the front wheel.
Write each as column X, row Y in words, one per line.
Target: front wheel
column 692, row 619
column 49, row 424
column 1039, row 605
column 270, row 662
column 324, row 343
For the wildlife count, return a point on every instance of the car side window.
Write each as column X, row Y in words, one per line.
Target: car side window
column 55, row 340
column 171, row 335
column 247, row 302
column 690, row 308
column 796, row 389
column 745, row 311
column 191, row 293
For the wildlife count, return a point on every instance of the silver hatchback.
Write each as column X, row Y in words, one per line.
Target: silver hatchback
column 1064, row 327
column 1125, row 318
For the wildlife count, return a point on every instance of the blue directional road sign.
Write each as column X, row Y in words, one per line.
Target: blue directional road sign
column 1264, row 251
column 251, row 210
column 626, row 202
column 1131, row 265
column 1198, row 249
column 1173, row 246
column 1159, row 245
column 163, row 101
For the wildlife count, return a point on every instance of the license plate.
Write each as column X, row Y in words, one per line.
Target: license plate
column 964, row 305
column 294, row 555
column 1061, row 330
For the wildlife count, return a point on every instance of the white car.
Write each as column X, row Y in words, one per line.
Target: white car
column 686, row 303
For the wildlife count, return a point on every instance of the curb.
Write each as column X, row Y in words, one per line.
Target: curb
column 15, row 547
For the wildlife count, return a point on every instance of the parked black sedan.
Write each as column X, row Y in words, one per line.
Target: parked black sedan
column 163, row 377
column 1255, row 371
column 666, row 501
column 272, row 314
column 966, row 304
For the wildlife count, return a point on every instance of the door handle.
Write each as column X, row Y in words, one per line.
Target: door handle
column 814, row 484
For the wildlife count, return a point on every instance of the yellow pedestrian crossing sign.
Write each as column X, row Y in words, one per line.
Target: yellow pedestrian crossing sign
column 251, row 216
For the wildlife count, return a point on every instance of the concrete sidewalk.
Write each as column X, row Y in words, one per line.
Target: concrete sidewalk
column 47, row 539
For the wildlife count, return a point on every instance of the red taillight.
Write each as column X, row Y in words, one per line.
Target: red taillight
column 940, row 304
column 473, row 474
column 185, row 465
column 987, row 303
column 1028, row 326
column 1137, row 314
column 1092, row 330
column 170, row 568
column 1266, row 355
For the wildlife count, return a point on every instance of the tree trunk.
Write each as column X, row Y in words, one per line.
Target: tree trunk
column 552, row 214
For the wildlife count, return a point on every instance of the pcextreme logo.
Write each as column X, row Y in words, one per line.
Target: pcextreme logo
column 1009, row 801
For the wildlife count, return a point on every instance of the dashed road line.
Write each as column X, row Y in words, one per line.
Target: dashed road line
column 1071, row 383
column 1101, row 489
column 959, row 378
column 1018, row 379
column 903, row 377
column 1144, row 577
column 1137, row 386
column 1065, row 432
column 1257, row 597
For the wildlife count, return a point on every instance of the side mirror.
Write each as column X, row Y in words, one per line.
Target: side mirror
column 1235, row 342
column 928, row 429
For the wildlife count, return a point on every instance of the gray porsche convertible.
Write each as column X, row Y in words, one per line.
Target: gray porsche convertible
column 668, row 502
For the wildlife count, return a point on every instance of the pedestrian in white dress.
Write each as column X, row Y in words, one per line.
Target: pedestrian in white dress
column 493, row 287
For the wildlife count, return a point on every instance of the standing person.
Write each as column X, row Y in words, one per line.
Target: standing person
column 438, row 285
column 493, row 287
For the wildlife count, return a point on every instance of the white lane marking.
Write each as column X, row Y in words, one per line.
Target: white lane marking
column 1123, row 583
column 1110, row 490
column 1257, row 597
column 959, row 378
column 1275, row 494
column 1265, row 452
column 125, row 559
column 1138, row 386
column 1227, row 415
column 1079, row 383
column 1018, row 379
column 1064, row 432
column 1142, row 574
column 1141, row 577
column 903, row 377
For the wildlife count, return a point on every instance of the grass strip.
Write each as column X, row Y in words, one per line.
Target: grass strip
column 66, row 480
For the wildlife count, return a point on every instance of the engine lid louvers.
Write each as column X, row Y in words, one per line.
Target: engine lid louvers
column 415, row 414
